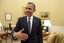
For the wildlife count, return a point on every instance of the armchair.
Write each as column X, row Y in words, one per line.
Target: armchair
column 54, row 38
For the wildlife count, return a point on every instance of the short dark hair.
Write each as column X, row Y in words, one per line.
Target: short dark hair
column 32, row 4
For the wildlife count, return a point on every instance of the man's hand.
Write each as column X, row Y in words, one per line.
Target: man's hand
column 20, row 35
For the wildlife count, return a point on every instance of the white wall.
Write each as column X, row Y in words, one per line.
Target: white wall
column 56, row 29
column 55, row 7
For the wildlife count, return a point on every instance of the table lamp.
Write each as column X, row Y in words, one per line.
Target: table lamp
column 0, row 27
column 47, row 23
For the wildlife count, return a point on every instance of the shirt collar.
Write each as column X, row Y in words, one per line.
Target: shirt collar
column 30, row 17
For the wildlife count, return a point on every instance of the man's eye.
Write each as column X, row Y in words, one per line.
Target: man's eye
column 29, row 8
column 25, row 8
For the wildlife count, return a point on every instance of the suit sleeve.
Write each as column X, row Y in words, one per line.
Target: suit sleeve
column 40, row 40
column 16, row 29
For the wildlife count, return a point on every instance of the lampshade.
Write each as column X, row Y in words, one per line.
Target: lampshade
column 0, row 24
column 0, row 27
column 47, row 23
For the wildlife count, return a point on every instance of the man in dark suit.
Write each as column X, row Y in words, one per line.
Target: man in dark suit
column 28, row 28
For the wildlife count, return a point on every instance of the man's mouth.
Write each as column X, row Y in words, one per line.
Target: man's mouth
column 27, row 12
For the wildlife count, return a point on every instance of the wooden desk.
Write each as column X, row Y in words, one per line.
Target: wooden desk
column 5, row 34
column 8, row 31
column 1, row 36
column 9, row 28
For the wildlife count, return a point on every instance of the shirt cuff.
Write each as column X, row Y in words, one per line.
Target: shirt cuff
column 14, row 36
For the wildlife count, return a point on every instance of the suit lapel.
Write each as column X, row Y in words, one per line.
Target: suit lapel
column 26, row 25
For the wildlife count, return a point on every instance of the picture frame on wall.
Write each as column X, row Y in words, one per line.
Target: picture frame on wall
column 45, row 15
column 8, row 16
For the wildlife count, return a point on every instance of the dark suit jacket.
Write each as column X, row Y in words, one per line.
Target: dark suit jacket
column 36, row 32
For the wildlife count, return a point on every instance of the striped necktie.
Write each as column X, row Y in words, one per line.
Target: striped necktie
column 29, row 24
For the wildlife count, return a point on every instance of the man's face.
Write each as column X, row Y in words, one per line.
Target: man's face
column 29, row 10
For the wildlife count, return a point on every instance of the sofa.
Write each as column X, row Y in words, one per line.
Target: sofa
column 55, row 37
